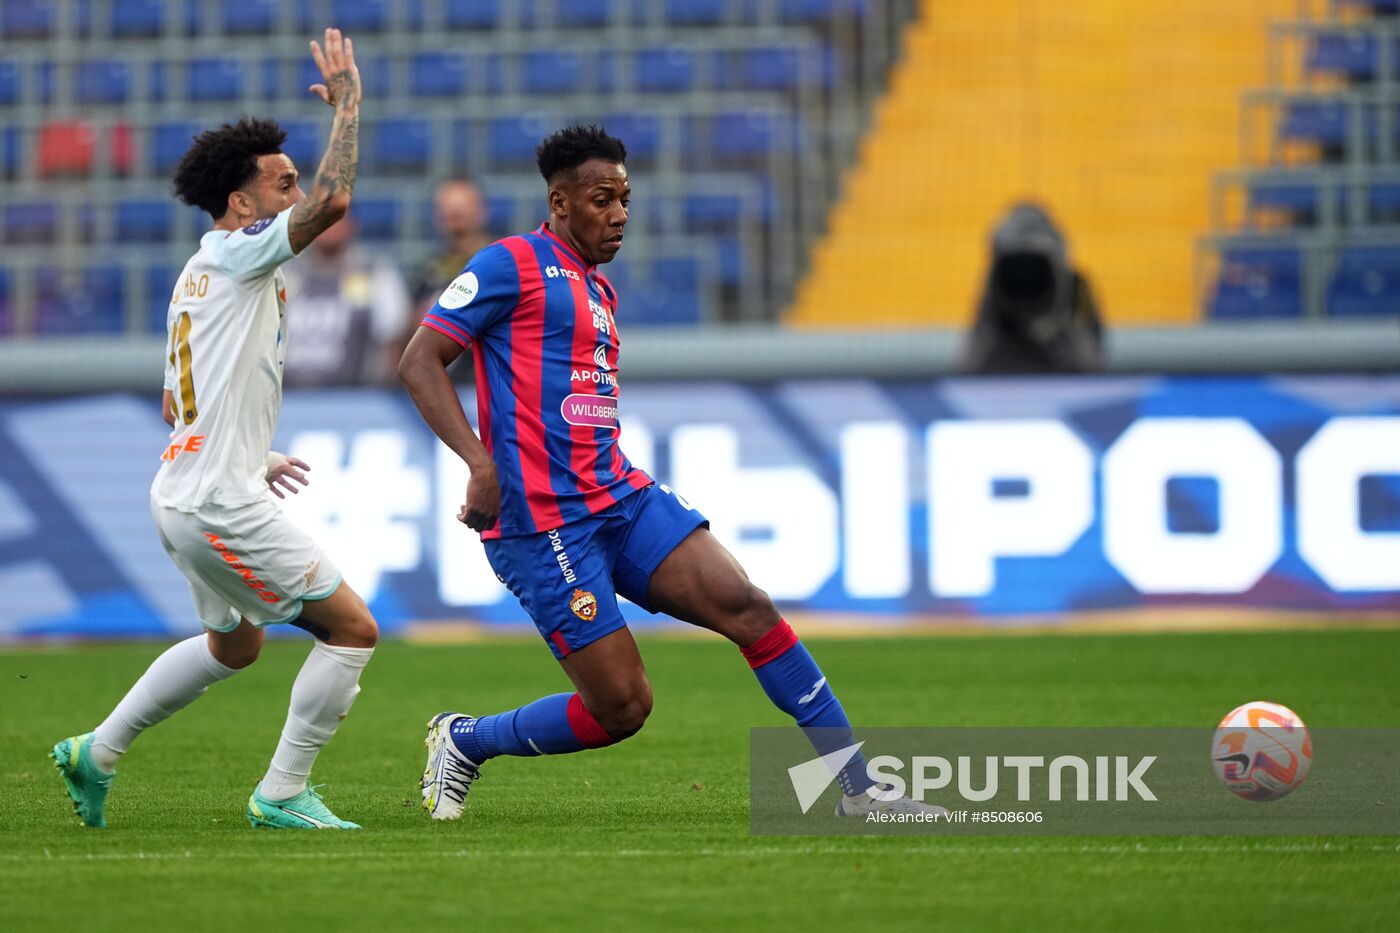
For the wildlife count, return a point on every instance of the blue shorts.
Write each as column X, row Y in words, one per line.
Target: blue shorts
column 568, row 579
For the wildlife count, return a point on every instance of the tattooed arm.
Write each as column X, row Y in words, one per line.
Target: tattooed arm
column 335, row 178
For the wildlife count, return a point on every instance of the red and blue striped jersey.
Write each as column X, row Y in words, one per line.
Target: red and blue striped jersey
column 539, row 323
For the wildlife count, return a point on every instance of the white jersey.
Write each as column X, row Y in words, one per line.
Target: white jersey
column 227, row 336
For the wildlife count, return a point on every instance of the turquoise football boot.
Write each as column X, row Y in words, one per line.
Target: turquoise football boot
column 304, row 811
column 87, row 783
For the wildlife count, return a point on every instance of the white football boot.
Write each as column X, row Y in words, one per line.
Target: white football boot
column 448, row 775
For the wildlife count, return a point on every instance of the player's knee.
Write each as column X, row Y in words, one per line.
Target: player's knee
column 624, row 716
column 753, row 614
column 236, row 654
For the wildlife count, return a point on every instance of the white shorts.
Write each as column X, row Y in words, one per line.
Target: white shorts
column 246, row 561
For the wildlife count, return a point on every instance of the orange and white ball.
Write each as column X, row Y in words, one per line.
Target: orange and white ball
column 1262, row 751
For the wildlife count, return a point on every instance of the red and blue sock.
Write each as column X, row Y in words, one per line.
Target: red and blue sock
column 552, row 725
column 797, row 686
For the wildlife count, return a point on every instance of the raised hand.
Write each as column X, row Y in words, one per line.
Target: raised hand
column 337, row 66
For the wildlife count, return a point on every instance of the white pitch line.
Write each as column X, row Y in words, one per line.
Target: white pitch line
column 932, row 850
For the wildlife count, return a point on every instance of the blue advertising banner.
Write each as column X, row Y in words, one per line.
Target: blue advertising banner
column 978, row 498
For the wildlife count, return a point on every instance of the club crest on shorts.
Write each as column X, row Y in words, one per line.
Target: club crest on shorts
column 584, row 605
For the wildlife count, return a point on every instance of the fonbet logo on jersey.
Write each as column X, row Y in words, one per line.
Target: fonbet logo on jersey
column 460, row 293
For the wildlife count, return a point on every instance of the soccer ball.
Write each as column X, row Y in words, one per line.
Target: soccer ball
column 1261, row 751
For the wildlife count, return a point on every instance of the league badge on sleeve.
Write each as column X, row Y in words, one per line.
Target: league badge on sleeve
column 460, row 293
column 255, row 228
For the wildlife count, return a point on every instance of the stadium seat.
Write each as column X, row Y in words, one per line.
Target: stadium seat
column 553, row 72
column 749, row 135
column 437, row 74
column 665, row 69
column 695, row 12
column 782, row 68
column 1317, row 121
column 11, row 161
column 214, row 79
column 66, row 149
column 1355, row 55
column 160, row 285
column 1383, row 197
column 471, row 14
column 512, row 140
column 27, row 19
column 1367, row 282
column 671, row 296
column 357, row 16
column 144, row 221
column 44, row 81
column 7, row 324
column 306, row 142
column 159, row 83
column 818, row 11
column 102, row 81
column 1298, row 197
column 137, row 18
column 583, row 14
column 376, row 218
column 95, row 304
column 169, row 143
column 121, row 148
column 401, row 144
column 502, row 219
column 639, row 132
column 31, row 222
column 9, row 84
column 1258, row 282
column 249, row 17
column 1390, row 7
column 714, row 213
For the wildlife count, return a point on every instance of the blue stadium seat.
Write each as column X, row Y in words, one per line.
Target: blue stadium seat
column 7, row 324
column 270, row 78
column 714, row 213
column 1367, row 282
column 665, row 69
column 818, row 11
column 639, row 132
column 583, row 14
column 1319, row 121
column 471, row 14
column 306, row 142
column 1355, row 55
column 169, row 143
column 1258, row 281
column 671, row 296
column 44, row 81
column 159, row 84
column 750, row 135
column 102, row 81
column 1374, row 6
column 376, row 218
column 214, row 79
column 249, row 17
column 695, row 12
column 553, row 72
column 501, row 211
column 357, row 16
column 31, row 222
column 9, row 84
column 402, row 144
column 437, row 74
column 733, row 265
column 144, row 221
column 782, row 68
column 137, row 18
column 1297, row 196
column 27, row 19
column 1384, row 197
column 96, row 306
column 160, row 285
column 512, row 140
column 11, row 161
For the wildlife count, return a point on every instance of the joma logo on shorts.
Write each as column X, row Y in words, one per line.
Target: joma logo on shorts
column 236, row 563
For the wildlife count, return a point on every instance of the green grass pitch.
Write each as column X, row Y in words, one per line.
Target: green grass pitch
column 653, row 834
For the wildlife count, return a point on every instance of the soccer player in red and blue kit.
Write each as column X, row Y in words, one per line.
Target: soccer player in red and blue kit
column 568, row 523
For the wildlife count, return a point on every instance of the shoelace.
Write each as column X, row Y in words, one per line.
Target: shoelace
column 457, row 777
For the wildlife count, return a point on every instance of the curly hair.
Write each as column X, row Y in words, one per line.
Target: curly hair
column 574, row 145
column 222, row 161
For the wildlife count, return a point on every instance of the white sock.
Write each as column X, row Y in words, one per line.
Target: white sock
column 321, row 696
column 173, row 681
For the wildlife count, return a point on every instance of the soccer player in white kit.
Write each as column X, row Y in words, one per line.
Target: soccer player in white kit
column 247, row 564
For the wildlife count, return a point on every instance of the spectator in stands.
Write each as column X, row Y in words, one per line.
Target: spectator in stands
column 1037, row 313
column 459, row 217
column 351, row 307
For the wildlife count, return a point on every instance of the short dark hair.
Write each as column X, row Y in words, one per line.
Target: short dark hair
column 223, row 160
column 574, row 145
